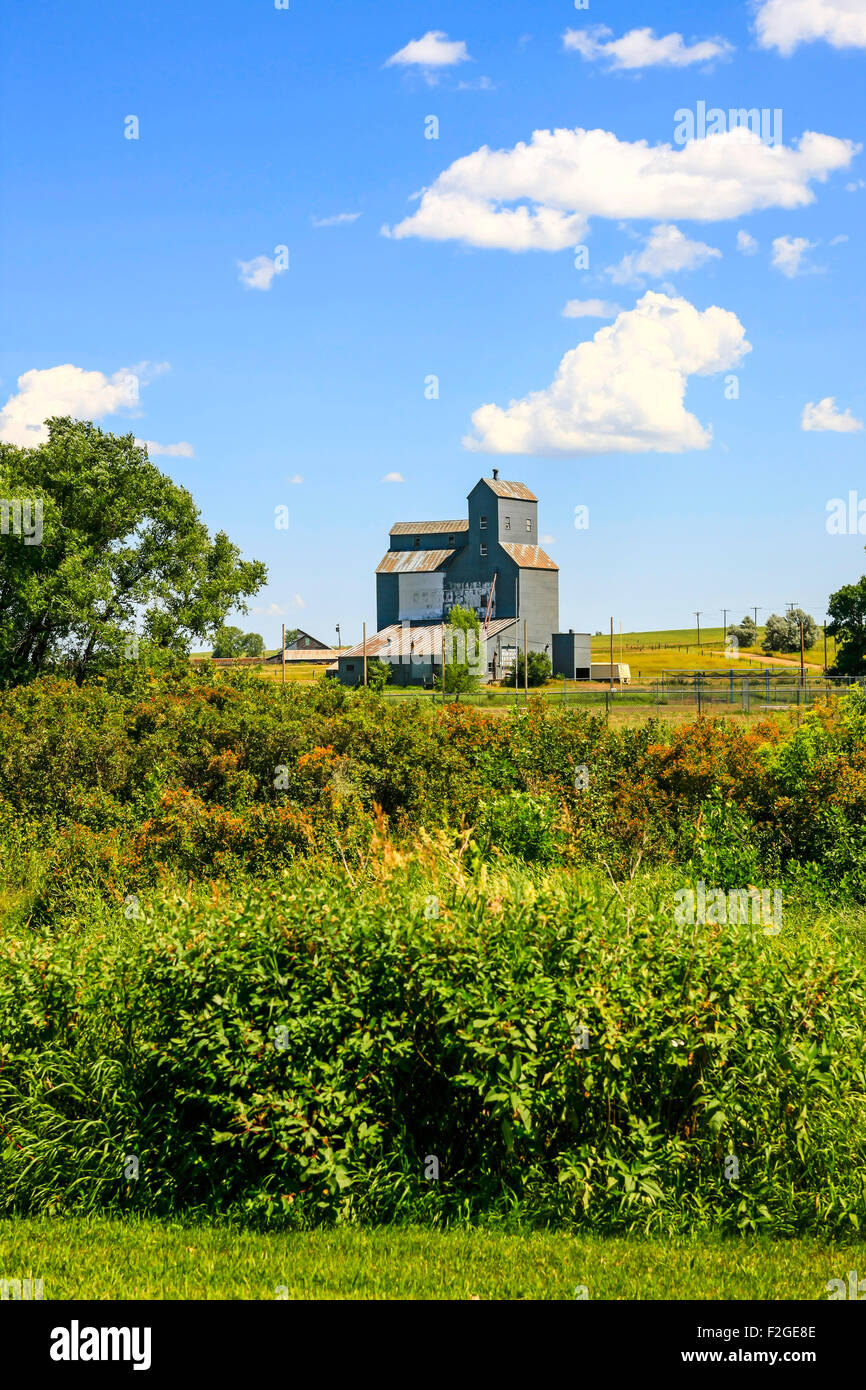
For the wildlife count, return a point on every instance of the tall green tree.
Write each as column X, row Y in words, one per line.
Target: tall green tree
column 847, row 612
column 124, row 566
column 783, row 634
column 462, row 656
column 232, row 641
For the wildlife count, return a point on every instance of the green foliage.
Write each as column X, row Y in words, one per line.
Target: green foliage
column 378, row 673
column 540, row 670
column 462, row 655
column 218, row 774
column 123, row 551
column 745, row 632
column 783, row 634
column 521, row 825
column 294, row 1054
column 847, row 612
column 233, row 642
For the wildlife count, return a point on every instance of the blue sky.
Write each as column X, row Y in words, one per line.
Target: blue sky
column 120, row 262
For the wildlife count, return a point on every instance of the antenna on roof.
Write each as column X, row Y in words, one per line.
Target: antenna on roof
column 495, row 474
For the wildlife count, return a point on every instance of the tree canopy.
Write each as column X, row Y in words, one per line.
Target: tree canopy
column 783, row 634
column 462, row 655
column 232, row 641
column 123, row 560
column 847, row 612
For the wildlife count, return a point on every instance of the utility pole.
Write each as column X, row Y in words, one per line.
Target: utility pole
column 611, row 656
column 756, row 607
column 802, row 656
column 365, row 653
column 525, row 666
column 698, row 616
column 338, row 634
column 724, row 625
column 825, row 645
column 283, row 654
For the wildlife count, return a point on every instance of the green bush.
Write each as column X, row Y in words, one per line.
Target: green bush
column 300, row 1054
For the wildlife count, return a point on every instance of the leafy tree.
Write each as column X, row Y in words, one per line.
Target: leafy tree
column 783, row 634
column 125, row 568
column 228, row 642
column 231, row 641
column 746, row 632
column 847, row 612
column 378, row 673
column 540, row 670
column 462, row 655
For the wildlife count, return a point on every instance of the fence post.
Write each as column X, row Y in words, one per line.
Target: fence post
column 745, row 694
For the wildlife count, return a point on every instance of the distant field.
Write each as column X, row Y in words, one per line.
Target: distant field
column 648, row 654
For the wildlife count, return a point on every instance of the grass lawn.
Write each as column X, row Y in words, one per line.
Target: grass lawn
column 99, row 1258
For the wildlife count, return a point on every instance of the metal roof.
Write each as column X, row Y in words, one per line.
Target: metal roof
column 528, row 557
column 427, row 528
column 397, row 640
column 519, row 491
column 413, row 561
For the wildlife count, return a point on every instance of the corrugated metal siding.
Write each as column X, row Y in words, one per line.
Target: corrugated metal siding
column 412, row 561
column 504, row 489
column 528, row 557
column 427, row 528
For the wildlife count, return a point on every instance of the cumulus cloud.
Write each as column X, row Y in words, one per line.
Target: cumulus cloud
column 825, row 416
column 338, row 220
column 640, row 48
column 69, row 390
column 667, row 248
column 393, row 478
column 561, row 178
column 746, row 243
column 789, row 253
column 434, row 50
column 181, row 450
column 623, row 391
column 590, row 309
column 785, row 24
column 258, row 274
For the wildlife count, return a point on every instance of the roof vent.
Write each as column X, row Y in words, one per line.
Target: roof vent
column 495, row 474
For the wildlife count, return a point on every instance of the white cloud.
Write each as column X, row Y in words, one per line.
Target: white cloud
column 69, row 390
column 273, row 610
column 590, row 309
column 838, row 240
column 258, row 274
column 296, row 479
column 434, row 50
column 393, row 478
column 623, row 391
column 484, row 84
column 667, row 248
column 296, row 601
column 640, row 48
column 746, row 243
column 338, row 220
column 788, row 255
column 784, row 24
column 855, row 186
column 825, row 416
column 563, row 177
column 547, row 540
column 181, row 450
